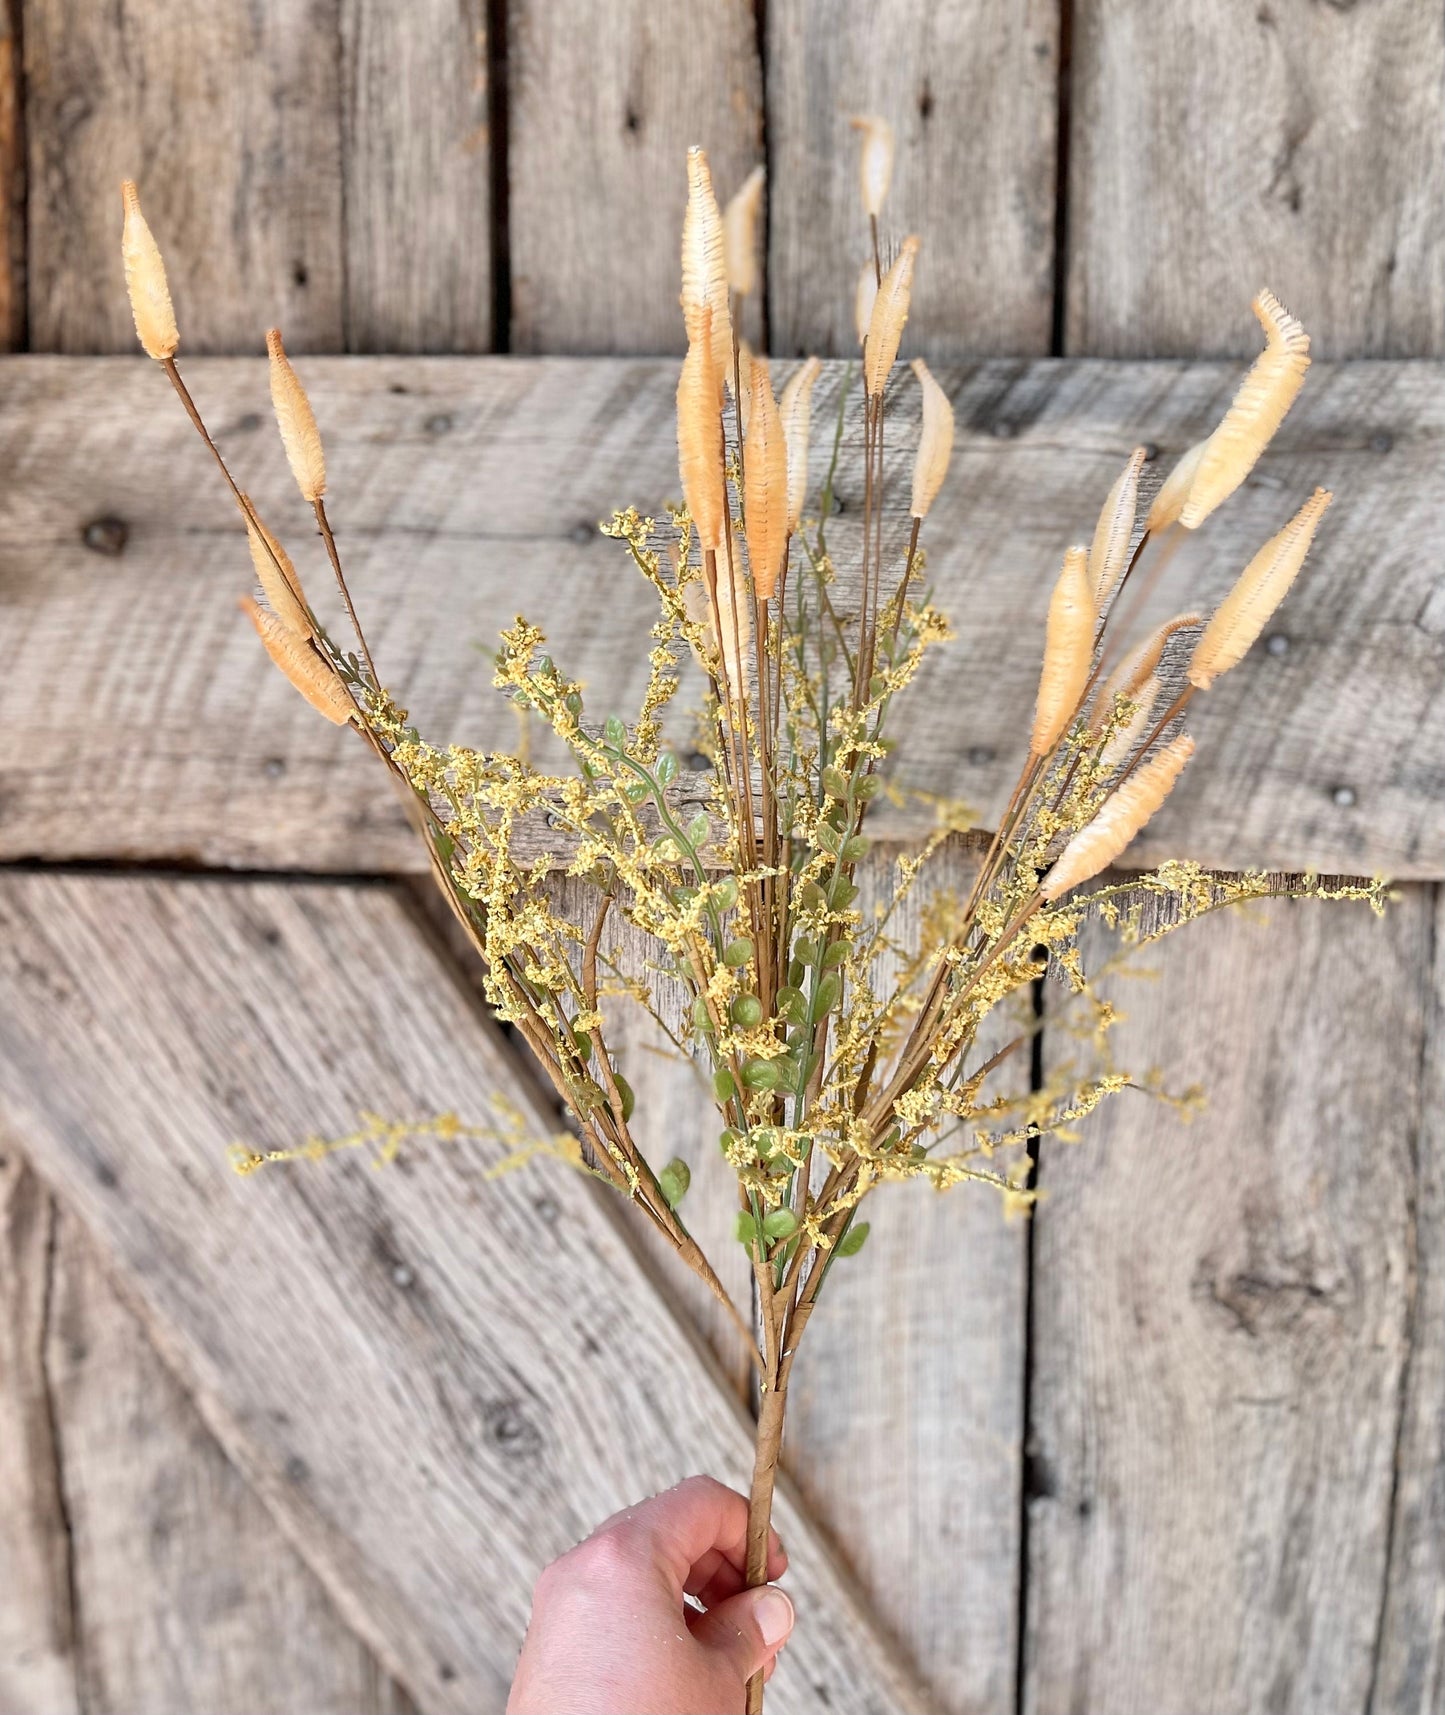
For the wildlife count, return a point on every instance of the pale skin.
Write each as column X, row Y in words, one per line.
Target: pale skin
column 611, row 1633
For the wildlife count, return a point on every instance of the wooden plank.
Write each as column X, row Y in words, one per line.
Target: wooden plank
column 227, row 117
column 1215, row 149
column 416, row 160
column 436, row 1380
column 12, row 181
column 907, row 1401
column 37, row 1634
column 186, row 1594
column 1220, row 1323
column 1411, row 1671
column 595, row 204
column 146, row 723
column 971, row 91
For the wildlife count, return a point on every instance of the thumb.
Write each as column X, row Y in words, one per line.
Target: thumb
column 748, row 1629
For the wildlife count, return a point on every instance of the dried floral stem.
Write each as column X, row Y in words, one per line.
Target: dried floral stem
column 324, row 524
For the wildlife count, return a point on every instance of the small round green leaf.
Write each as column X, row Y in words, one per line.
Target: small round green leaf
column 854, row 1239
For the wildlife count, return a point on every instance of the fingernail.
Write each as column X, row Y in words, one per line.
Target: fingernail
column 774, row 1614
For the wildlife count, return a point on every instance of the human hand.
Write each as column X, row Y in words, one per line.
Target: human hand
column 611, row 1635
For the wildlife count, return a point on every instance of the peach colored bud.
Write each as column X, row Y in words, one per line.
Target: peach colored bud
column 301, row 665
column 885, row 325
column 1125, row 812
column 796, row 409
column 296, row 421
column 875, row 162
column 935, row 442
column 145, row 281
column 1068, row 652
column 740, row 233
column 765, row 483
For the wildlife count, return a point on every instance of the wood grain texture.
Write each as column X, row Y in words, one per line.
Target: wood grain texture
column 435, row 1379
column 187, row 1596
column 416, row 155
column 12, row 180
column 906, row 1407
column 1220, row 1320
column 227, row 118
column 970, row 88
column 146, row 723
column 1216, row 149
column 1410, row 1679
column 605, row 97
column 37, row 1631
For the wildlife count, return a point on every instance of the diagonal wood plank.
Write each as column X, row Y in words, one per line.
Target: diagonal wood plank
column 146, row 723
column 1220, row 1325
column 1411, row 1671
column 186, row 1595
column 435, row 1380
column 595, row 202
column 37, row 1630
column 228, row 118
column 416, row 164
column 1216, row 149
column 970, row 88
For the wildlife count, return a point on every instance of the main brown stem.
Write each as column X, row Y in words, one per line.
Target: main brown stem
column 760, row 1505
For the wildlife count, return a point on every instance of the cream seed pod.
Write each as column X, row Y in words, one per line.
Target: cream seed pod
column 301, row 665
column 796, row 410
column 1121, row 746
column 1260, row 588
column 704, row 265
column 765, row 483
column 278, row 580
column 1115, row 530
column 740, row 233
column 1259, row 407
column 885, row 325
column 875, row 162
column 864, row 297
column 1169, row 502
column 1135, row 669
column 1068, row 652
column 745, row 384
column 1125, row 812
column 735, row 643
column 699, row 434
column 145, row 281
column 296, row 421
column 935, row 442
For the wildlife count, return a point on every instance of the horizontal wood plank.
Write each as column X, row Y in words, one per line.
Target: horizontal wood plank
column 1221, row 1319
column 436, row 1379
column 144, row 721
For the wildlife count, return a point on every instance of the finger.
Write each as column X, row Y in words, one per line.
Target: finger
column 747, row 1630
column 700, row 1521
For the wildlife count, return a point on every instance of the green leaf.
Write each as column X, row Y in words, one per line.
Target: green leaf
column 792, row 1005
column 573, row 702
column 725, row 894
column 737, row 953
column 853, row 1240
column 745, row 1229
column 727, row 1139
column 584, row 1045
column 855, row 848
column 780, row 1224
column 868, row 787
column 841, row 893
column 825, row 996
column 674, row 1181
column 760, row 1075
column 624, row 1090
column 837, row 952
column 701, row 1019
column 666, row 770
column 724, row 1085
column 698, row 830
column 747, row 1011
column 835, row 782
column 829, row 837
column 614, row 732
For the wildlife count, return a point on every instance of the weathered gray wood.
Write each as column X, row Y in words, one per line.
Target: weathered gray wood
column 596, row 199
column 416, row 155
column 970, row 88
column 12, row 181
column 906, row 1405
column 1220, row 1319
column 187, row 1596
column 144, row 720
column 1411, row 1672
column 37, row 1634
column 1215, row 149
column 227, row 118
column 434, row 1379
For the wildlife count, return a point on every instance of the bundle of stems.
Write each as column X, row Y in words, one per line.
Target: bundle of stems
column 838, row 1057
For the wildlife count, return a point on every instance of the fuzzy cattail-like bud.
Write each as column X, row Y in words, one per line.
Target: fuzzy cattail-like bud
column 885, row 325
column 796, row 409
column 875, row 163
column 765, row 482
column 1115, row 530
column 1068, row 651
column 699, row 434
column 935, row 442
column 1135, row 670
column 278, row 580
column 1258, row 591
column 1259, row 407
column 704, row 264
column 1121, row 746
column 301, row 665
column 737, row 631
column 745, row 384
column 1169, row 502
column 864, row 297
column 740, row 233
column 145, row 281
column 1106, row 838
column 296, row 421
